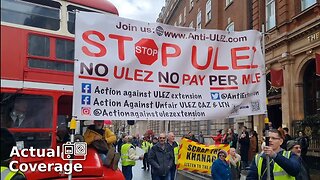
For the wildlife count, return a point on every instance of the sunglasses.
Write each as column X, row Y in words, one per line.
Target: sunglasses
column 222, row 155
column 162, row 138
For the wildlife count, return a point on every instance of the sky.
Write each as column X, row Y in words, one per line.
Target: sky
column 142, row 10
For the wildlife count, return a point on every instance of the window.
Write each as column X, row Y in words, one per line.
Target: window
column 191, row 4
column 230, row 27
column 228, row 2
column 28, row 111
column 199, row 20
column 46, row 16
column 72, row 16
column 270, row 14
column 307, row 3
column 208, row 11
column 191, row 24
column 40, row 57
column 38, row 46
column 64, row 49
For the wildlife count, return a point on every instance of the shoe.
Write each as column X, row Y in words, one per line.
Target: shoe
column 115, row 161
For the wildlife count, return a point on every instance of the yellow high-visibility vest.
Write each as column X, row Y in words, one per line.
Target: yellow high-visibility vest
column 278, row 172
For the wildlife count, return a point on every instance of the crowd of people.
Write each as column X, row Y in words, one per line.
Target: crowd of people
column 286, row 154
column 160, row 155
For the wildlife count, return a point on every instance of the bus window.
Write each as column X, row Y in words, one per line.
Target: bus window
column 33, row 13
column 26, row 111
column 72, row 16
column 64, row 49
column 39, row 46
column 36, row 140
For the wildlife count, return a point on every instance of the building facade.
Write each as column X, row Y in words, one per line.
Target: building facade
column 292, row 40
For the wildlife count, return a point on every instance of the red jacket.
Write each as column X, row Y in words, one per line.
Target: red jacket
column 217, row 139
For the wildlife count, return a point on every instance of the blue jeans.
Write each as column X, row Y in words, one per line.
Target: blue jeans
column 127, row 172
column 156, row 177
column 103, row 157
column 173, row 172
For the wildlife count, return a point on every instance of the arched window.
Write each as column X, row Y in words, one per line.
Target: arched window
column 311, row 89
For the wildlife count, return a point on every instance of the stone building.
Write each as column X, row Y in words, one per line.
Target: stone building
column 291, row 42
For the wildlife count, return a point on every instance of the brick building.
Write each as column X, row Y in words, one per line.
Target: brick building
column 291, row 43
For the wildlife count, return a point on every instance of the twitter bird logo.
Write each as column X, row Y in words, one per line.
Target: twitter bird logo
column 215, row 96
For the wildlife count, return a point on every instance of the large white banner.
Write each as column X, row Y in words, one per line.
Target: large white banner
column 132, row 70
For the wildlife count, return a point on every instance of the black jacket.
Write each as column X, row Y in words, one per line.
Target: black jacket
column 161, row 160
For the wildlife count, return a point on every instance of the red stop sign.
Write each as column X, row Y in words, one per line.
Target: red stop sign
column 146, row 51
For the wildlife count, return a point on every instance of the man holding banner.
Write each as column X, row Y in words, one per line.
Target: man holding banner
column 283, row 164
column 175, row 147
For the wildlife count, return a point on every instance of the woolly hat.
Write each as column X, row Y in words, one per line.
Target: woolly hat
column 291, row 144
column 224, row 152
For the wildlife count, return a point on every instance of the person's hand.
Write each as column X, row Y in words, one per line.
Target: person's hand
column 141, row 157
column 96, row 137
column 269, row 151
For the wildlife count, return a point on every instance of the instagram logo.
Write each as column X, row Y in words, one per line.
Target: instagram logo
column 74, row 151
column 86, row 111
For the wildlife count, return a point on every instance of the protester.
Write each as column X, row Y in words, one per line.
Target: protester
column 283, row 164
column 220, row 169
column 7, row 143
column 217, row 139
column 102, row 140
column 128, row 157
column 235, row 163
column 146, row 146
column 232, row 138
column 161, row 159
column 154, row 141
column 244, row 142
column 303, row 141
column 120, row 143
column 253, row 147
column 295, row 147
column 201, row 138
column 287, row 138
column 224, row 139
column 175, row 147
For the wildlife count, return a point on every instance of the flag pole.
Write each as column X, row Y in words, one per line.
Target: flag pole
column 266, row 119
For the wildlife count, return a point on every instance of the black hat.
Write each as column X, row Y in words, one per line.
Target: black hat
column 7, row 143
column 291, row 144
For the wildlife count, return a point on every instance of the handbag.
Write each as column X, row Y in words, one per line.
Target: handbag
column 101, row 145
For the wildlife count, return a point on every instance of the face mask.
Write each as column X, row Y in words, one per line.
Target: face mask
column 20, row 116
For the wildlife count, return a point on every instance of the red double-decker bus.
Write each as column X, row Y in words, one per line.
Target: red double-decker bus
column 37, row 59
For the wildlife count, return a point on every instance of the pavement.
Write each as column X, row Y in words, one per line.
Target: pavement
column 138, row 173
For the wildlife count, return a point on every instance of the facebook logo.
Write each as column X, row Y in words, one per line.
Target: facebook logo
column 86, row 88
column 85, row 99
column 215, row 96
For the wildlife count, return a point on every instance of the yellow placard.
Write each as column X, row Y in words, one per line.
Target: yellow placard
column 197, row 157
